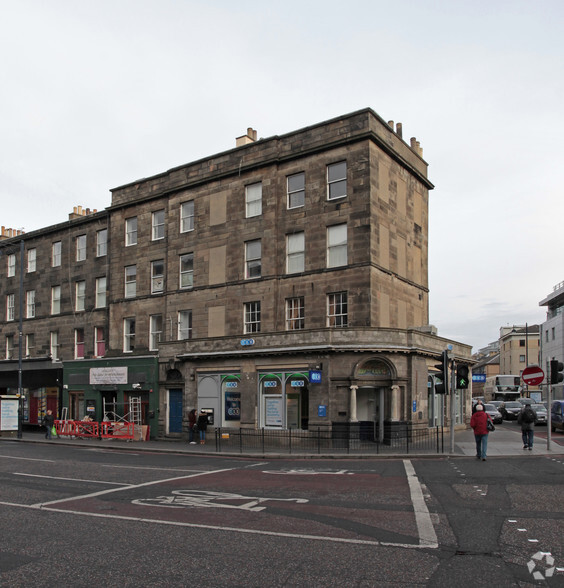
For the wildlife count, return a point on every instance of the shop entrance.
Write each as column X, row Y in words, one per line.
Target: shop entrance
column 370, row 412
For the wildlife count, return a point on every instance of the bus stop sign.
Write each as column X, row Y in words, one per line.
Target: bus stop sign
column 532, row 375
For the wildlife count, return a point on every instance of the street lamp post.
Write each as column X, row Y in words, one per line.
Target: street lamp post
column 20, row 338
column 20, row 394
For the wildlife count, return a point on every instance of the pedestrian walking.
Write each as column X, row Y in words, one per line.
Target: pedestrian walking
column 527, row 418
column 192, row 417
column 48, row 422
column 202, row 424
column 476, row 404
column 479, row 422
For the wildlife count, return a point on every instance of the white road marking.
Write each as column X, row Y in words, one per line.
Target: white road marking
column 119, row 467
column 72, row 479
column 218, row 528
column 427, row 535
column 27, row 458
column 152, row 483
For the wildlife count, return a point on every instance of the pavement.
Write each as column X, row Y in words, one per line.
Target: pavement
column 504, row 441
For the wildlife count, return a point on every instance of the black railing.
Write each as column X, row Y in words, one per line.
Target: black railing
column 346, row 438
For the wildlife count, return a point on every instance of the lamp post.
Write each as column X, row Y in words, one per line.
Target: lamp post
column 20, row 394
column 20, row 338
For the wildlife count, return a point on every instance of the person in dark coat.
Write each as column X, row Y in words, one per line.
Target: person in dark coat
column 526, row 419
column 48, row 422
column 202, row 425
column 479, row 422
column 192, row 417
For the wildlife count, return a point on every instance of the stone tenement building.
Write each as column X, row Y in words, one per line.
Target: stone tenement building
column 280, row 284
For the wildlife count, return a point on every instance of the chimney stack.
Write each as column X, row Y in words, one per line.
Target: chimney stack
column 250, row 137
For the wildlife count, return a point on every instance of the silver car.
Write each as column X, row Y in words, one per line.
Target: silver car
column 493, row 413
column 542, row 417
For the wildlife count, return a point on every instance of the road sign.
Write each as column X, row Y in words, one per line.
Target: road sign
column 478, row 377
column 532, row 375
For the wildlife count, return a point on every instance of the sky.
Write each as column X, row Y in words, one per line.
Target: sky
column 97, row 94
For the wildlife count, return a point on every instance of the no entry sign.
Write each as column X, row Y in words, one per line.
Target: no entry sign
column 532, row 375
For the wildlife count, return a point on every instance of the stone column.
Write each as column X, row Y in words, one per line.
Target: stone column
column 352, row 404
column 394, row 408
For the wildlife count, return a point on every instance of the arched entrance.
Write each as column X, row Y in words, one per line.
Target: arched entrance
column 375, row 398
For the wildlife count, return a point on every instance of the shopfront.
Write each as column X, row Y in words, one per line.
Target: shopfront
column 96, row 388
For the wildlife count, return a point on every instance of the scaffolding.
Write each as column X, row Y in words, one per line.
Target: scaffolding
column 133, row 416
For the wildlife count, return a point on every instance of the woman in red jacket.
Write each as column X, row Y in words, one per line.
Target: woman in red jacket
column 479, row 422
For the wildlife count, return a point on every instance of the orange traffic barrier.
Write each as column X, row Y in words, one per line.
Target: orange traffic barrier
column 116, row 430
column 77, row 428
column 103, row 430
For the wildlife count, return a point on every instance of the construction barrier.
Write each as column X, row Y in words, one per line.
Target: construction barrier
column 89, row 429
column 77, row 428
column 116, row 430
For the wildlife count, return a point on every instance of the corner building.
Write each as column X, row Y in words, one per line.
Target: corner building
column 282, row 284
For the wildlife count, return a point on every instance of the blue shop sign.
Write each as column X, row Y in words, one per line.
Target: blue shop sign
column 315, row 376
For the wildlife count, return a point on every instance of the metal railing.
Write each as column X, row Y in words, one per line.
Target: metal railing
column 346, row 439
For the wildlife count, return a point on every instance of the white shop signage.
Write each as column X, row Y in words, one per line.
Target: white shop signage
column 108, row 376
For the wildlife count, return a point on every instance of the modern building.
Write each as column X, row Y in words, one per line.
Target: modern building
column 552, row 333
column 519, row 347
column 281, row 284
column 486, row 366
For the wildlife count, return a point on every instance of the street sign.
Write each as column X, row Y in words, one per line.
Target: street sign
column 532, row 375
column 478, row 377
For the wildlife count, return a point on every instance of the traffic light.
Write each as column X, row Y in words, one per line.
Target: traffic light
column 556, row 369
column 462, row 372
column 441, row 379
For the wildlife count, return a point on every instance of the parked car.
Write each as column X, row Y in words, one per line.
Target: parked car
column 496, row 403
column 510, row 410
column 525, row 400
column 542, row 416
column 557, row 415
column 493, row 413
